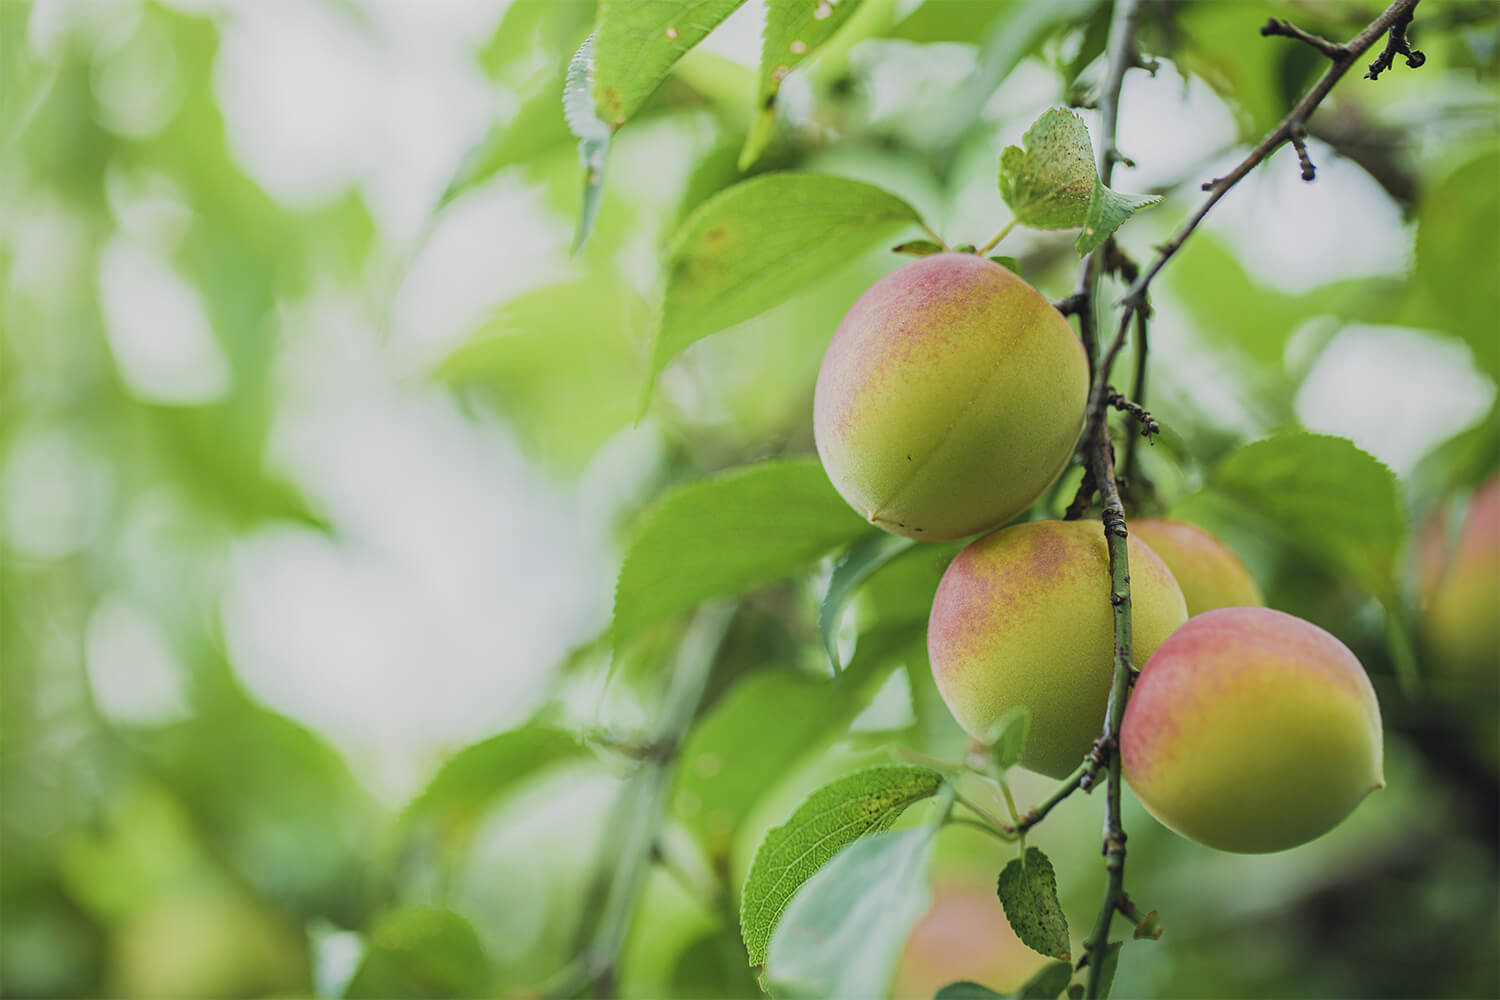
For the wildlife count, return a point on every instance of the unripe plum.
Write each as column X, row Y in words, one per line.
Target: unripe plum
column 1022, row 617
column 950, row 397
column 1251, row 730
column 1210, row 575
column 1460, row 591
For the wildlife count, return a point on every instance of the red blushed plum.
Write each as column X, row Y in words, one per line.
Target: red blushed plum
column 1022, row 617
column 1460, row 592
column 1253, row 731
column 1210, row 575
column 950, row 398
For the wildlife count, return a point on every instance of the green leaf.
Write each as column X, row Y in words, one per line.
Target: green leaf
column 1028, row 891
column 1007, row 738
column 863, row 559
column 1052, row 183
column 1076, row 991
column 842, row 934
column 725, row 534
column 840, row 812
column 421, row 951
column 593, row 137
column 1109, row 963
column 732, row 757
column 752, row 245
column 1048, row 984
column 1009, row 263
column 637, row 42
column 480, row 774
column 918, row 248
column 1456, row 224
column 1326, row 497
column 794, row 30
column 528, row 53
column 1108, row 211
column 966, row 990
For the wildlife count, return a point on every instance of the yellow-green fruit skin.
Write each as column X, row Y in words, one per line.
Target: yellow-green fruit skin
column 1252, row 731
column 950, row 397
column 1022, row 616
column 1460, row 590
column 1210, row 575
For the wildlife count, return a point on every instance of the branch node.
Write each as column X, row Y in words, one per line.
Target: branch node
column 1286, row 29
column 1297, row 133
column 1396, row 44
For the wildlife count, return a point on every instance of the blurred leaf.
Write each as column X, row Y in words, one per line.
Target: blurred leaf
column 1049, row 983
column 966, row 990
column 732, row 757
column 1457, row 257
column 1465, row 459
column 918, row 248
column 1009, row 263
column 840, row 812
column 636, row 43
column 1016, row 33
column 842, row 933
column 1110, row 962
column 593, row 137
column 563, row 412
column 1007, row 738
column 420, row 952
column 473, row 779
column 794, row 30
column 293, row 822
column 863, row 558
column 1149, row 927
column 1229, row 307
column 529, row 53
column 751, row 246
column 725, row 534
column 1326, row 497
column 1028, row 891
column 1052, row 183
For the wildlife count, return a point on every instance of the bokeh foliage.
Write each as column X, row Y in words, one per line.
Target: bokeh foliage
column 233, row 851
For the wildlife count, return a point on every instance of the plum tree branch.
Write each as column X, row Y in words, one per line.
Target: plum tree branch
column 1394, row 19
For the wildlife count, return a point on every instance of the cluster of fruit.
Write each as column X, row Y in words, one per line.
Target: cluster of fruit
column 951, row 397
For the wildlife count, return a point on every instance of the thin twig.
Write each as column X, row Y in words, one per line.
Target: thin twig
column 1400, row 11
column 1137, row 393
column 1278, row 26
column 1396, row 44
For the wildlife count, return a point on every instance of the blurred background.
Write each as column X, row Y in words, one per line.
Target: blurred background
column 318, row 452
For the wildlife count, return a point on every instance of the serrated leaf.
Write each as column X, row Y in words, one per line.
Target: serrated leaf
column 863, row 559
column 966, row 990
column 837, row 814
column 1108, row 964
column 724, row 534
column 1108, row 211
column 1052, row 182
column 637, row 42
column 593, row 137
column 1327, row 497
column 841, row 935
column 752, row 245
column 1028, row 892
column 794, row 30
column 732, row 758
column 1048, row 983
column 1007, row 738
column 918, row 248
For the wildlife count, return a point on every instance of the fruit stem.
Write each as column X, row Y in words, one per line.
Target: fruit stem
column 998, row 237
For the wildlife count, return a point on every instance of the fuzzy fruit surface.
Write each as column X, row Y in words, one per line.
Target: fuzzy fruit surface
column 1460, row 590
column 1022, row 617
column 1251, row 730
column 950, row 397
column 1210, row 575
